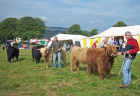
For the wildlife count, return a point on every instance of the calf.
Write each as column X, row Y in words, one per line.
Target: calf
column 12, row 52
column 101, row 60
column 36, row 53
column 78, row 55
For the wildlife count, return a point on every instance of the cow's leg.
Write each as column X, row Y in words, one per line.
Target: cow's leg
column 64, row 58
column 17, row 58
column 101, row 73
column 108, row 70
column 45, row 59
column 39, row 59
column 36, row 60
column 33, row 59
column 63, row 52
column 77, row 66
column 89, row 70
column 48, row 59
column 107, row 74
column 9, row 58
column 72, row 63
column 71, row 67
column 96, row 70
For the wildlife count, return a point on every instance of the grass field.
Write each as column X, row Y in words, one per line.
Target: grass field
column 25, row 78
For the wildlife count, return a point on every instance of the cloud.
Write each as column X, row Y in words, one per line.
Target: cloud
column 95, row 21
column 71, row 2
column 44, row 18
column 88, row 13
column 91, row 22
column 62, row 19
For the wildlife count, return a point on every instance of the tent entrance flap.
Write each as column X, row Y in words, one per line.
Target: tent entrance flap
column 119, row 37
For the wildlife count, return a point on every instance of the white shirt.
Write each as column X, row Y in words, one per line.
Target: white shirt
column 110, row 42
column 101, row 45
column 123, row 45
column 49, row 44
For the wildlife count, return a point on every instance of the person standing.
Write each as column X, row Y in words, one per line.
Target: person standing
column 115, row 42
column 120, row 43
column 111, row 41
column 64, row 45
column 130, row 52
column 103, row 43
column 56, row 47
column 95, row 44
column 48, row 43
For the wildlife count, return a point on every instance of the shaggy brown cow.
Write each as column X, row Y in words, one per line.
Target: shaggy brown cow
column 48, row 55
column 78, row 55
column 101, row 60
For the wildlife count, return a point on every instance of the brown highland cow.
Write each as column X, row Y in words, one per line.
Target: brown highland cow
column 101, row 60
column 78, row 55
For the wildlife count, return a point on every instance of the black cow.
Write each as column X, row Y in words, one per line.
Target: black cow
column 12, row 51
column 36, row 53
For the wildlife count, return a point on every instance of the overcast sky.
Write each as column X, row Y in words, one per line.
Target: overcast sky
column 100, row 14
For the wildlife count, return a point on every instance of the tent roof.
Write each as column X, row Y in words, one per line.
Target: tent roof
column 119, row 31
column 68, row 37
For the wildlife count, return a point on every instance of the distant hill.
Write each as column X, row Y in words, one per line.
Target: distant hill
column 52, row 31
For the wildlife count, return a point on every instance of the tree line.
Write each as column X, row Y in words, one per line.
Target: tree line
column 26, row 27
column 75, row 29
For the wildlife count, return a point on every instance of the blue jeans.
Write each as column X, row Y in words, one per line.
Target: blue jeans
column 59, row 59
column 127, row 71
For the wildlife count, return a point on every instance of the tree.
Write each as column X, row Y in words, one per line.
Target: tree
column 75, row 29
column 93, row 32
column 119, row 24
column 40, row 25
column 65, row 32
column 27, row 24
column 26, row 27
column 84, row 32
column 8, row 29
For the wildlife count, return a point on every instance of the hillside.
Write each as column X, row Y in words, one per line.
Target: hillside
column 52, row 31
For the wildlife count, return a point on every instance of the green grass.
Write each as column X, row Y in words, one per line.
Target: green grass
column 25, row 78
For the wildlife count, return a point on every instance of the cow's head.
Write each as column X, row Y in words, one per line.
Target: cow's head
column 44, row 51
column 111, row 50
column 7, row 44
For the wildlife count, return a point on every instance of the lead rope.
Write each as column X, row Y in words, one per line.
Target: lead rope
column 130, row 56
column 121, row 66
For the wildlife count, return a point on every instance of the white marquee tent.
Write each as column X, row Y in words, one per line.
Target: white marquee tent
column 69, row 37
column 119, row 31
column 113, row 32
